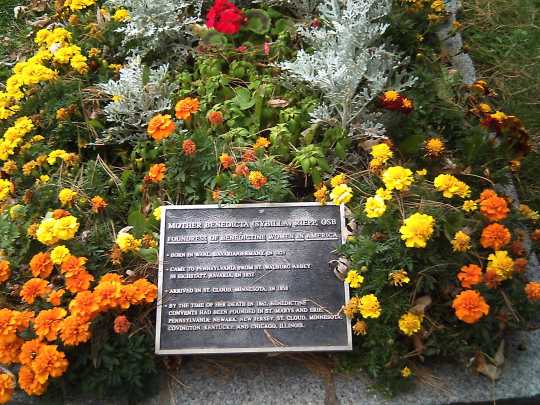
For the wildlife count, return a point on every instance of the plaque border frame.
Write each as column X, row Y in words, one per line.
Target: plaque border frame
column 240, row 350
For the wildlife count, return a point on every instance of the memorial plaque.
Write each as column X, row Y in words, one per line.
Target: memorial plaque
column 250, row 278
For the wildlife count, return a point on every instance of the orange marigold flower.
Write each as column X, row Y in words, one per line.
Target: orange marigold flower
column 108, row 294
column 226, row 160
column 470, row 275
column 185, row 107
column 470, row 306
column 121, row 324
column 29, row 383
column 257, row 179
column 157, row 172
column 161, row 127
column 7, row 329
column 215, row 117
column 78, row 281
column 98, row 204
column 261, row 142
column 520, row 264
column 49, row 322
column 49, row 363
column 72, row 264
column 493, row 207
column 492, row 279
column 75, row 330
column 7, row 387
column 532, row 290
column 216, row 194
column 9, row 351
column 249, row 156
column 85, row 305
column 5, row 271
column 495, row 236
column 535, row 235
column 142, row 291
column 60, row 213
column 189, row 147
column 29, row 351
column 41, row 265
column 242, row 170
column 34, row 288
column 55, row 298
column 321, row 193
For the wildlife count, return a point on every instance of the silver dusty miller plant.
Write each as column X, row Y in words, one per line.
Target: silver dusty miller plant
column 159, row 26
column 139, row 93
column 300, row 8
column 348, row 63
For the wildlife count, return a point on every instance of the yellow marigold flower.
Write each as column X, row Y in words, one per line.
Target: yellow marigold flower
column 438, row 6
column 485, row 108
column 120, row 15
column 93, row 52
column 528, row 212
column 341, row 194
column 6, row 189
column 384, row 193
column 116, row 67
column 351, row 308
column 469, row 205
column 9, row 167
column 360, row 328
column 461, row 242
column 127, row 242
column 66, row 227
column 450, row 186
column 56, row 154
column 186, row 107
column 391, row 95
column 410, row 323
column 354, row 279
column 16, row 211
column 434, row 147
column 416, row 230
column 381, row 152
column 59, row 254
column 257, row 179
column 157, row 213
column 421, row 172
column 45, row 232
column 66, row 196
column 398, row 278
column 261, row 142
column 397, row 178
column 375, row 207
column 406, row 372
column 500, row 263
column 338, row 179
column 320, row 193
column 369, row 306
column 117, row 98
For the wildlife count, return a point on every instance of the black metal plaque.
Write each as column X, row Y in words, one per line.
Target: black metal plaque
column 250, row 278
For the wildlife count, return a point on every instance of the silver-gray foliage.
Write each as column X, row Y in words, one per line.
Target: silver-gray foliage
column 161, row 26
column 301, row 8
column 348, row 61
column 140, row 93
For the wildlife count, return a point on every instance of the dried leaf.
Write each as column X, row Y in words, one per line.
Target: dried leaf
column 489, row 370
column 340, row 267
column 421, row 304
column 277, row 103
column 19, row 11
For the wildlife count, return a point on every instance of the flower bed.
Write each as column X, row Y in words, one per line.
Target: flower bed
column 122, row 107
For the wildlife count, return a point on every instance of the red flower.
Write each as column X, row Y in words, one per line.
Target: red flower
column 225, row 17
